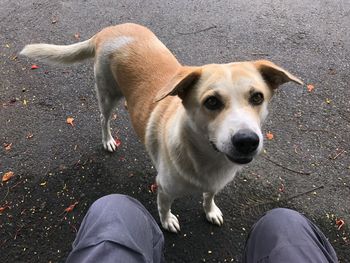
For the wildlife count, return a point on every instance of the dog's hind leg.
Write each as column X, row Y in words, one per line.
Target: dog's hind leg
column 169, row 220
column 108, row 95
column 212, row 212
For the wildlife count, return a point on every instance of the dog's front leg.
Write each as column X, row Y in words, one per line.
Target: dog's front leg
column 212, row 212
column 169, row 220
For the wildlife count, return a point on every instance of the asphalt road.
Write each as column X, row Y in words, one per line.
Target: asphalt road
column 306, row 165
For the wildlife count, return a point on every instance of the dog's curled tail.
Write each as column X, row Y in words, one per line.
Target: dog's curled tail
column 60, row 54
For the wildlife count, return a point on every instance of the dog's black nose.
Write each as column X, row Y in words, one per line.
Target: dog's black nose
column 245, row 141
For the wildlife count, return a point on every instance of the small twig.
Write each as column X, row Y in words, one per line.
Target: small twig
column 8, row 190
column 198, row 31
column 17, row 232
column 286, row 168
column 16, row 184
column 303, row 193
column 287, row 198
column 3, row 243
column 337, row 155
column 74, row 228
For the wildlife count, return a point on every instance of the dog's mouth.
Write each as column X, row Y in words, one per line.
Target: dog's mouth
column 234, row 159
column 214, row 146
column 239, row 159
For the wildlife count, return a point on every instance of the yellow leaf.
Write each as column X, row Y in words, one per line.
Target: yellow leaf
column 70, row 121
column 7, row 176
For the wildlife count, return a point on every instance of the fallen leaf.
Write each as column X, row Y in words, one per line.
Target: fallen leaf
column 29, row 136
column 340, row 223
column 7, row 176
column 8, row 146
column 269, row 135
column 70, row 121
column 154, row 188
column 332, row 71
column 77, row 36
column 118, row 142
column 34, row 66
column 310, row 87
column 3, row 208
column 71, row 207
column 281, row 189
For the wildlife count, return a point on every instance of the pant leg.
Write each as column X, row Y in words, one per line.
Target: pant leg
column 284, row 235
column 117, row 228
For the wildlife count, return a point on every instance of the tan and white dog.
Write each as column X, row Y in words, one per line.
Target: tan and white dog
column 199, row 124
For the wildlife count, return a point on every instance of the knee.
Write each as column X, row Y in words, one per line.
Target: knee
column 283, row 213
column 112, row 202
column 280, row 218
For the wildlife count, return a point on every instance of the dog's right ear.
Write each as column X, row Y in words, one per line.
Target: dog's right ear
column 180, row 84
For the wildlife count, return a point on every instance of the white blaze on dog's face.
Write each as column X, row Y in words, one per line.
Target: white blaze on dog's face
column 227, row 104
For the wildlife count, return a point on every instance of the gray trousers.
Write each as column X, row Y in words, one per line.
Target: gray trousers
column 117, row 228
column 285, row 236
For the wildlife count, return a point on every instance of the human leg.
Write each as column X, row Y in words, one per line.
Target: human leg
column 117, row 228
column 284, row 235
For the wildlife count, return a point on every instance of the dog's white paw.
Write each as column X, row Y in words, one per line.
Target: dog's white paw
column 214, row 215
column 110, row 145
column 171, row 223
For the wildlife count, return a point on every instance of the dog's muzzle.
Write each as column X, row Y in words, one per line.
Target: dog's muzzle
column 244, row 146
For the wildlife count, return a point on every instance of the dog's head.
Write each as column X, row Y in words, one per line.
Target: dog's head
column 227, row 103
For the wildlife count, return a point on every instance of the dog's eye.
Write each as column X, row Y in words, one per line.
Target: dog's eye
column 213, row 103
column 256, row 98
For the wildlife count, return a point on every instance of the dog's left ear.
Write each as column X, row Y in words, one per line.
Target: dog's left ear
column 274, row 75
column 180, row 84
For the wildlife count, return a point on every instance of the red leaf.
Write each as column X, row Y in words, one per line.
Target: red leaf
column 310, row 87
column 71, row 207
column 282, row 188
column 269, row 135
column 154, row 188
column 3, row 208
column 118, row 142
column 340, row 223
column 34, row 66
